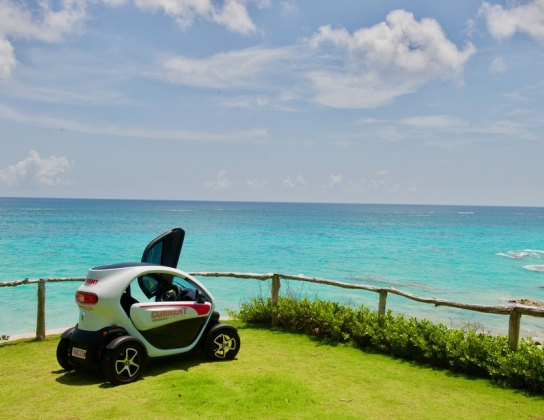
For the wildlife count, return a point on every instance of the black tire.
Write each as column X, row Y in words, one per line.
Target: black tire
column 63, row 354
column 125, row 363
column 222, row 343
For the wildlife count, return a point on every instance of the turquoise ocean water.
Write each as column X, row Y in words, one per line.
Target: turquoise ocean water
column 483, row 255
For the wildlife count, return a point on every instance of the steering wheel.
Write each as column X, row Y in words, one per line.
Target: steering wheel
column 171, row 294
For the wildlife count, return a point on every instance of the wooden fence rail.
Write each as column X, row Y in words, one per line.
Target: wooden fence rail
column 514, row 310
column 40, row 316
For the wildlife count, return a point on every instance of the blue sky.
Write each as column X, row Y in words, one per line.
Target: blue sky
column 344, row 101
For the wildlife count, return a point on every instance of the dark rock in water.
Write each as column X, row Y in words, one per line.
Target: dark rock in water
column 528, row 302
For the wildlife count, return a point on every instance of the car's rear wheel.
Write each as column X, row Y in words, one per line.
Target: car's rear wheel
column 125, row 363
column 63, row 354
column 223, row 343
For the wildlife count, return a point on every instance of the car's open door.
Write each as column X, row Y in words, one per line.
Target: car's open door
column 165, row 249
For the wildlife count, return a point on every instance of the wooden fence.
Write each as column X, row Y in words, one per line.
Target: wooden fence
column 514, row 310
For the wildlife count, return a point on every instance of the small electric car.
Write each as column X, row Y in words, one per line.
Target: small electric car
column 130, row 313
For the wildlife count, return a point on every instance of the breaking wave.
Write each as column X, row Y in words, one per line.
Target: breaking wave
column 537, row 268
column 521, row 254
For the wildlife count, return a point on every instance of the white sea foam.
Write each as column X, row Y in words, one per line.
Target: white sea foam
column 535, row 253
column 537, row 268
column 466, row 212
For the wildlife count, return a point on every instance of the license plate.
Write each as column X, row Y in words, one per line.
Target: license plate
column 79, row 352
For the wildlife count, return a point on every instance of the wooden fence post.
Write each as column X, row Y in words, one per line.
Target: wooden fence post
column 40, row 318
column 275, row 294
column 381, row 307
column 513, row 330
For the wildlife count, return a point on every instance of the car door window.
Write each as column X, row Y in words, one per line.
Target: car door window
column 142, row 295
column 187, row 284
column 149, row 285
column 152, row 285
column 184, row 283
column 155, row 254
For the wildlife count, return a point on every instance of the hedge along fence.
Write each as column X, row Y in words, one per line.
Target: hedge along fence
column 514, row 311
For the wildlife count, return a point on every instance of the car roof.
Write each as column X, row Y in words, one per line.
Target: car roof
column 122, row 265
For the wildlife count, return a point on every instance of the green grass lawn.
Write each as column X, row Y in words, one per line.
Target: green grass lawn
column 276, row 375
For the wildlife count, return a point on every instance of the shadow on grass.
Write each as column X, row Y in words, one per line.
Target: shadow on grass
column 154, row 368
column 81, row 378
column 181, row 362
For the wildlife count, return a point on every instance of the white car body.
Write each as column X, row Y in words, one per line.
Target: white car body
column 110, row 283
column 132, row 312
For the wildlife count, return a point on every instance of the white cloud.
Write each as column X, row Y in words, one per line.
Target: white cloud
column 384, row 187
column 257, row 183
column 11, row 114
column 232, row 14
column 221, row 183
column 365, row 69
column 497, row 66
column 44, row 22
column 263, row 4
column 234, row 69
column 434, row 121
column 7, row 59
column 51, row 20
column 439, row 124
column 333, row 180
column 246, row 101
column 66, row 93
column 504, row 23
column 391, row 133
column 259, row 101
column 387, row 60
column 42, row 171
column 376, row 184
column 380, row 186
column 298, row 183
column 114, row 3
column 470, row 28
column 498, row 127
column 357, row 185
column 369, row 121
column 289, row 6
column 504, row 127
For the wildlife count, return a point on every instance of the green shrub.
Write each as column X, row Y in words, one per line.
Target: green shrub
column 467, row 352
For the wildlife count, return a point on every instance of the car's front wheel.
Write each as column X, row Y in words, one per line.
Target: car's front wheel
column 63, row 354
column 125, row 363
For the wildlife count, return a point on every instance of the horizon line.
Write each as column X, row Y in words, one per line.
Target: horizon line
column 272, row 202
